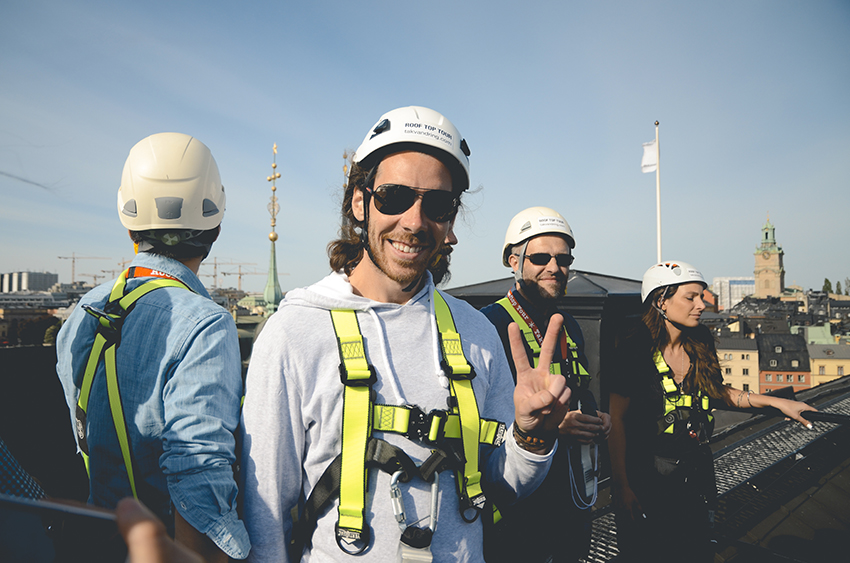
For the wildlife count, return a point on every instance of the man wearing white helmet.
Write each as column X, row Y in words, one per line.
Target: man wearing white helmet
column 378, row 405
column 538, row 247
column 150, row 364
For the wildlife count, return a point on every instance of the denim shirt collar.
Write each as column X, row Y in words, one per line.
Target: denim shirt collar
column 173, row 268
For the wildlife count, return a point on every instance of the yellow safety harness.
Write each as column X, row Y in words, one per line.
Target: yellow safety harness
column 679, row 407
column 578, row 379
column 567, row 366
column 106, row 342
column 455, row 433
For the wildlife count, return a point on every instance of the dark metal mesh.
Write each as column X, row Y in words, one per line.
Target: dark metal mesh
column 743, row 473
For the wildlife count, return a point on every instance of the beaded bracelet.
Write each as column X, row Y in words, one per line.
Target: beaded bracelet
column 534, row 442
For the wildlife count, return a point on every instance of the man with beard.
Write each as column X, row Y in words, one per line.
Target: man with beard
column 538, row 247
column 378, row 405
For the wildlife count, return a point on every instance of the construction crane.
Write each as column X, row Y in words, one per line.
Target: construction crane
column 240, row 273
column 94, row 277
column 73, row 258
column 216, row 264
column 114, row 273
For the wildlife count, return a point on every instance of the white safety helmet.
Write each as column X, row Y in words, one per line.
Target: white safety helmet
column 170, row 181
column 667, row 274
column 532, row 222
column 415, row 125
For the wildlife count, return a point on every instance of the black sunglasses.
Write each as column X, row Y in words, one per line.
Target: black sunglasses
column 395, row 199
column 541, row 259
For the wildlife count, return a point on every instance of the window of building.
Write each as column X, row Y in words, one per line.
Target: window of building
column 746, row 386
column 728, row 371
column 795, row 363
column 801, row 379
column 746, row 371
column 773, row 363
column 821, row 370
column 748, row 356
column 840, row 370
column 778, row 349
column 768, row 377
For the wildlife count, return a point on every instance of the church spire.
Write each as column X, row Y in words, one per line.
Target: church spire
column 272, row 293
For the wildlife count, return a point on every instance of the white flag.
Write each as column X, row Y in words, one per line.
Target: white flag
column 649, row 162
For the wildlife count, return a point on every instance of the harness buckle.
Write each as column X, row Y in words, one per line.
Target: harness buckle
column 422, row 426
column 474, row 504
column 356, row 378
column 450, row 373
column 418, row 424
column 350, row 541
column 107, row 324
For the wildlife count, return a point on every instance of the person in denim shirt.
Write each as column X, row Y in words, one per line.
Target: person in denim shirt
column 178, row 362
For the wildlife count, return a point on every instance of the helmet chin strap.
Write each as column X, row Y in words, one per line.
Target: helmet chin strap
column 518, row 272
column 664, row 314
column 656, row 304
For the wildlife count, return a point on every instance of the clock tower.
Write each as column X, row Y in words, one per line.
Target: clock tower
column 769, row 271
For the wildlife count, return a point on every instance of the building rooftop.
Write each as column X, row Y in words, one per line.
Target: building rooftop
column 736, row 343
column 580, row 283
column 784, row 491
column 829, row 351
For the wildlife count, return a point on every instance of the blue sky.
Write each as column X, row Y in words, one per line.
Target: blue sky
column 553, row 98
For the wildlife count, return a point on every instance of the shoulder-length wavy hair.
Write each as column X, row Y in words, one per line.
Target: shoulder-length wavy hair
column 345, row 252
column 704, row 373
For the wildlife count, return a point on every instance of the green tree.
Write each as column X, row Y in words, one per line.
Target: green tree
column 838, row 287
column 31, row 331
column 51, row 332
column 827, row 285
column 846, row 286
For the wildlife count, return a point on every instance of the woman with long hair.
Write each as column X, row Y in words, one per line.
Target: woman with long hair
column 665, row 380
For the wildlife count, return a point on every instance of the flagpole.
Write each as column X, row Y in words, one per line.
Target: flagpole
column 658, row 191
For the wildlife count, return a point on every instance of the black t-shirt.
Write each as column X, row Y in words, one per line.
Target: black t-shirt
column 633, row 375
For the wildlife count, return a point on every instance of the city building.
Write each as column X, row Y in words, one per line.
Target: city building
column 27, row 281
column 828, row 362
column 783, row 362
column 814, row 334
column 730, row 291
column 739, row 362
column 769, row 271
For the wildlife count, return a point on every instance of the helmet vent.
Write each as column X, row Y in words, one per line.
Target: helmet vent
column 210, row 208
column 525, row 226
column 169, row 207
column 130, row 208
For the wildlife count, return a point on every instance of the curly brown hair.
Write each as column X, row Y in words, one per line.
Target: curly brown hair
column 704, row 373
column 345, row 252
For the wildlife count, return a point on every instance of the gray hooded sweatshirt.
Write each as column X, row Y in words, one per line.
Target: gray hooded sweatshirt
column 292, row 420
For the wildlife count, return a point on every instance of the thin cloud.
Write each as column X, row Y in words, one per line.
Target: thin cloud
column 24, row 180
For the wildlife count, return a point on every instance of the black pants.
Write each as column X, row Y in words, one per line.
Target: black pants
column 678, row 500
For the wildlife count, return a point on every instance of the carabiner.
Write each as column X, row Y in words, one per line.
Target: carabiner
column 397, row 500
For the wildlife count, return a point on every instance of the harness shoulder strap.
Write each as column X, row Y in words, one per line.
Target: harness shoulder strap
column 677, row 405
column 358, row 376
column 460, row 374
column 106, row 342
column 528, row 334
